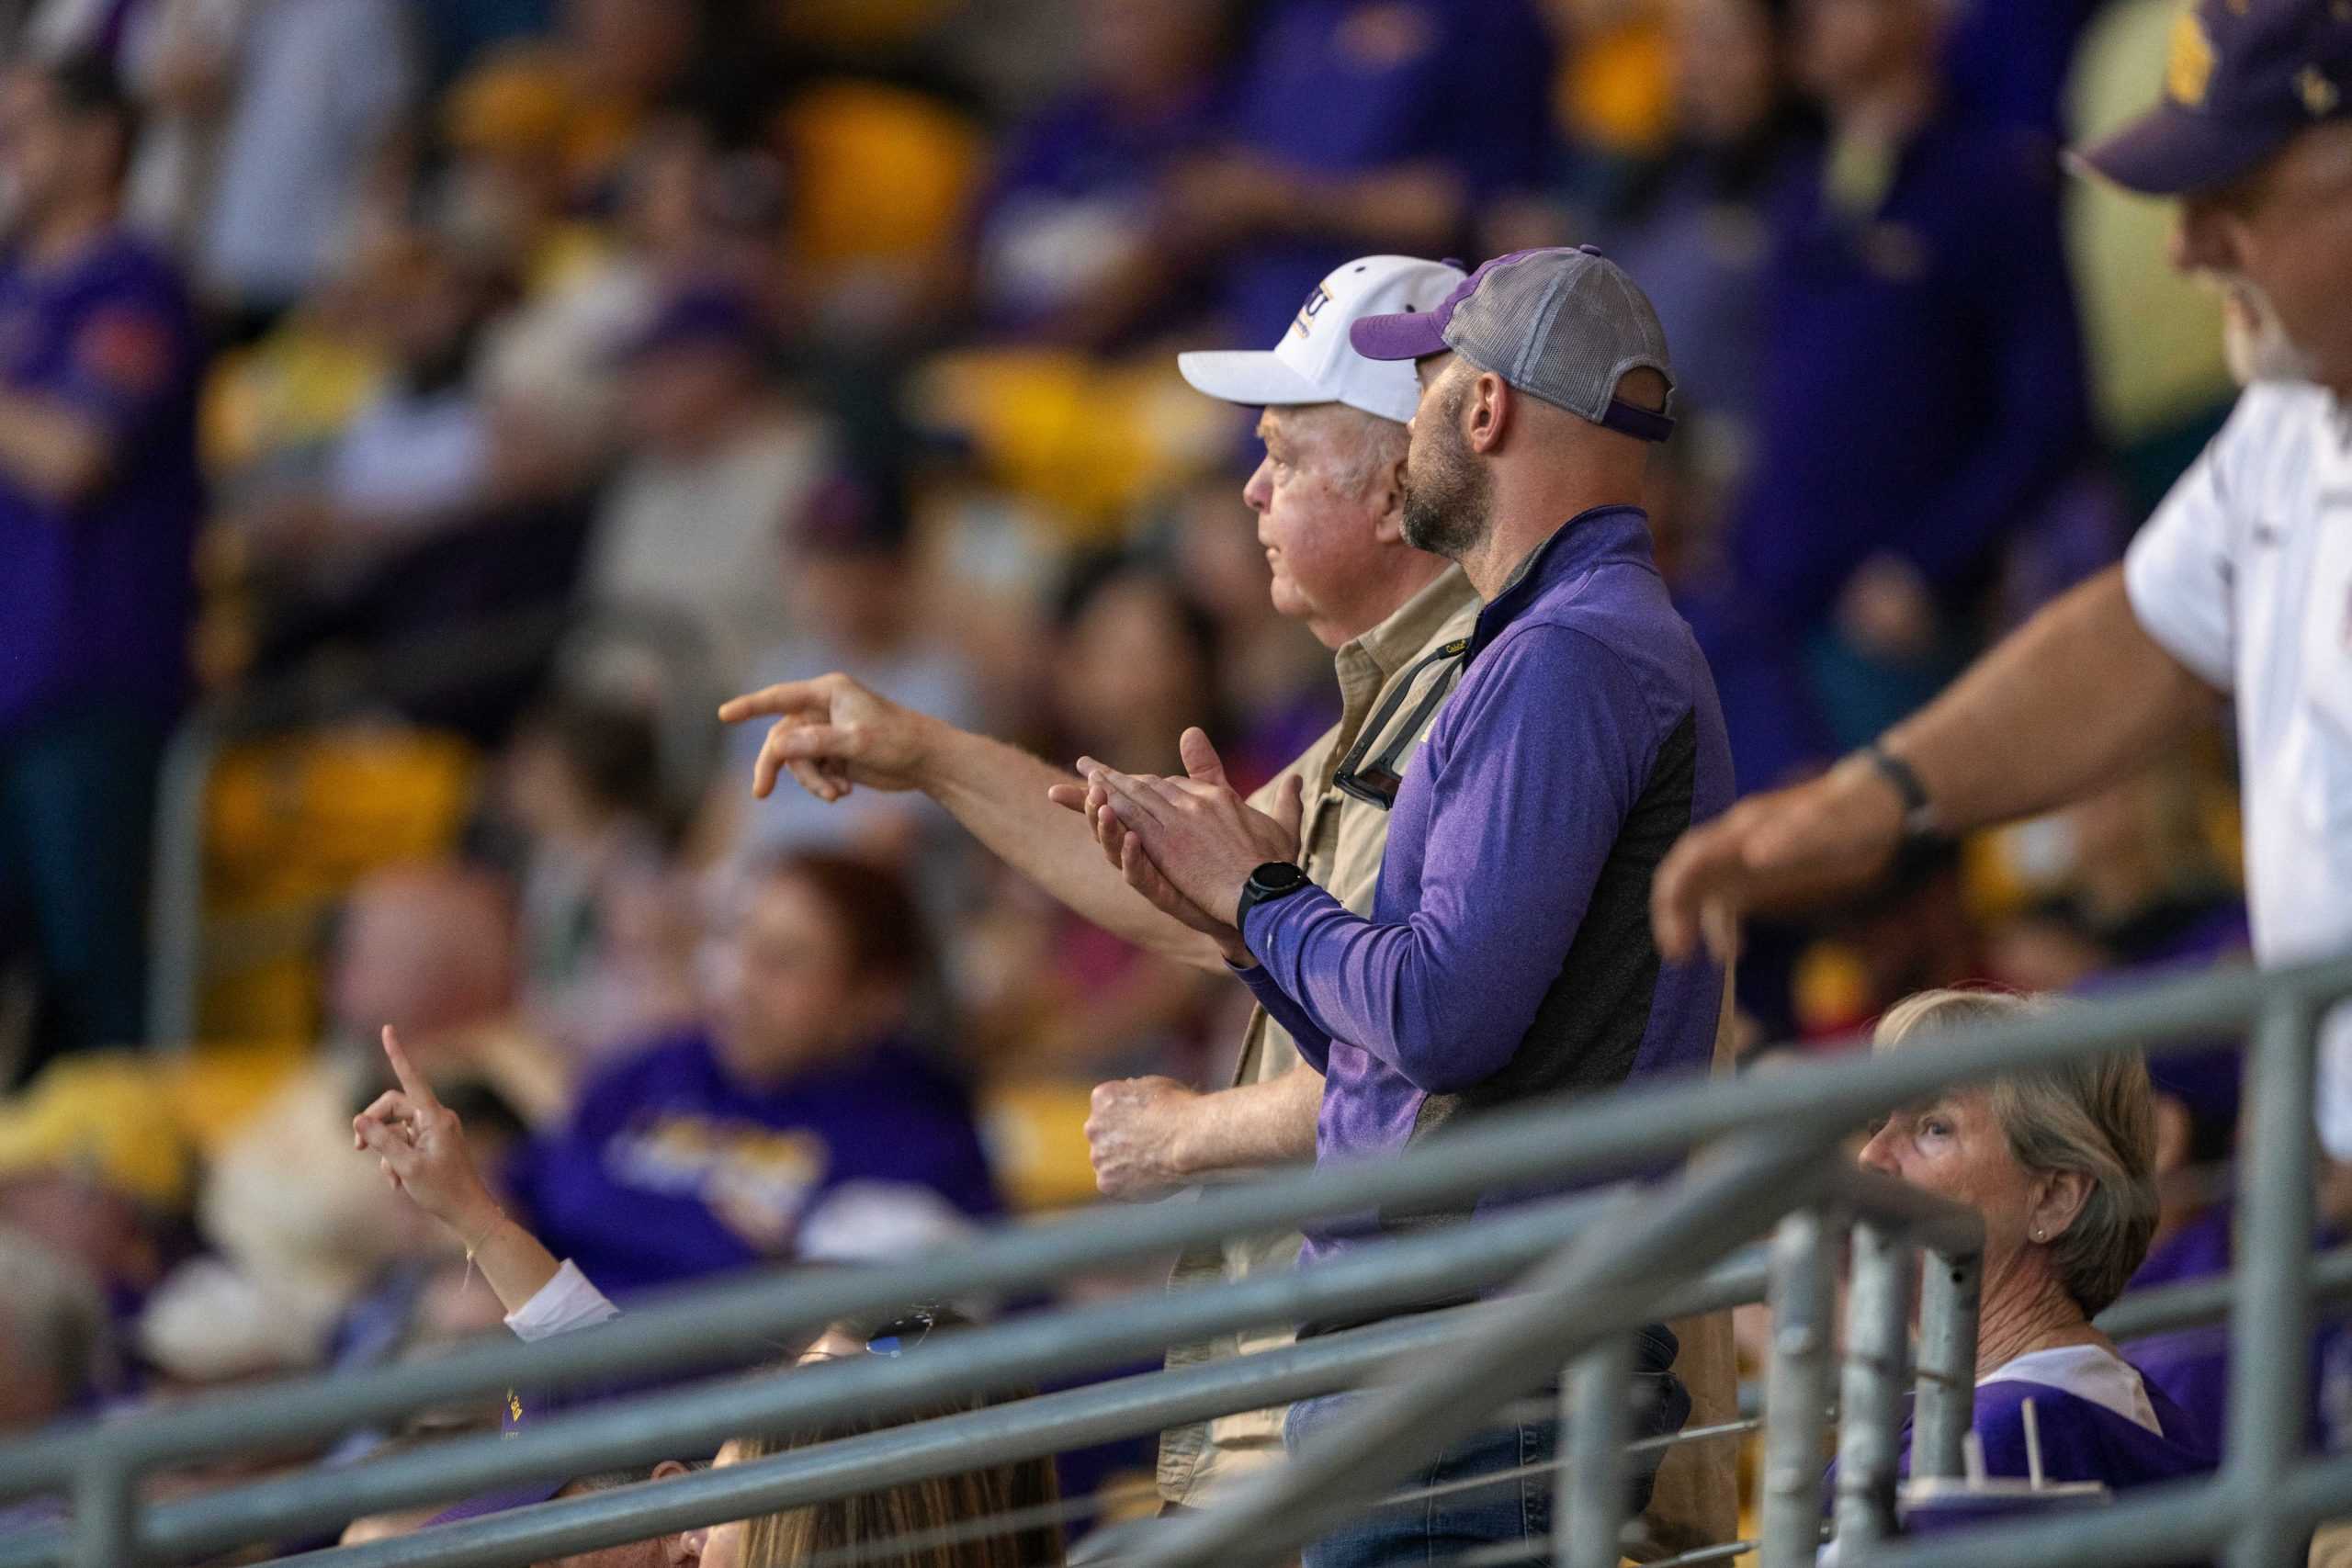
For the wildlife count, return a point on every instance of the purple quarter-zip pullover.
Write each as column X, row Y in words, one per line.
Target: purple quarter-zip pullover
column 1508, row 955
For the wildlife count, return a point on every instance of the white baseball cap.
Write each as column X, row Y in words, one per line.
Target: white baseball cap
column 1314, row 363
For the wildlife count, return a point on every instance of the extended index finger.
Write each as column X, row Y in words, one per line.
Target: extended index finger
column 778, row 701
column 411, row 1081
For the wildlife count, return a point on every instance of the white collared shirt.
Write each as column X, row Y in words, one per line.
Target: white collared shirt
column 2244, row 575
column 2089, row 1372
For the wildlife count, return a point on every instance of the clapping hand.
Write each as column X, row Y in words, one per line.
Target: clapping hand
column 1187, row 844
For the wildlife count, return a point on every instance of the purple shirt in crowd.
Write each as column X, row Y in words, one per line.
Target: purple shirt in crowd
column 669, row 1152
column 1508, row 953
column 95, row 596
column 1346, row 87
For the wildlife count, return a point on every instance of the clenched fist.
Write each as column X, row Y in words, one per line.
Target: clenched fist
column 1138, row 1133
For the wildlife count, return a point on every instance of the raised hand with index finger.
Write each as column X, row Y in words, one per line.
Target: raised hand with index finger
column 422, row 1149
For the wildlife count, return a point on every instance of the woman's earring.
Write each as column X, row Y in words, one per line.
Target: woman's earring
column 2037, row 1235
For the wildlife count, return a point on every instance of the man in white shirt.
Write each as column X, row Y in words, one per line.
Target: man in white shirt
column 2241, row 583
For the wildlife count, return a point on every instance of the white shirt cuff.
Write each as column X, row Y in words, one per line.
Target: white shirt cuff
column 563, row 1304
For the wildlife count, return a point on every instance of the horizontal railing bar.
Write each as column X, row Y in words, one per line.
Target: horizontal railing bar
column 1539, row 1549
column 1933, row 1221
column 1609, row 1279
column 2160, row 1309
column 1509, row 1149
column 1026, row 1429
column 2180, row 1523
column 1029, row 1428
column 641, row 1430
column 2167, row 1524
column 678, row 1424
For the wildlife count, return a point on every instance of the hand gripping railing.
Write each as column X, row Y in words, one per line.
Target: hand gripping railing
column 1620, row 1268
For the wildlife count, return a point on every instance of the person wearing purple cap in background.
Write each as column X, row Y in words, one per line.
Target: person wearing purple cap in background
column 1505, row 955
column 2241, row 583
column 716, row 462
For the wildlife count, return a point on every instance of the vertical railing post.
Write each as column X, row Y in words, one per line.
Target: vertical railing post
column 175, row 885
column 1947, row 1377
column 1595, row 1400
column 2270, row 1309
column 1796, row 1390
column 106, row 1521
column 1878, row 1333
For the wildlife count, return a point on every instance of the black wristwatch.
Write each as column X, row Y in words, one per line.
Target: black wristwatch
column 1275, row 879
column 1919, row 812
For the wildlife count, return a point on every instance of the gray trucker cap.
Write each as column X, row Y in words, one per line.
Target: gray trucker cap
column 1563, row 324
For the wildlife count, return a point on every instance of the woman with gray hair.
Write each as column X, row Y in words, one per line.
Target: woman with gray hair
column 2059, row 1161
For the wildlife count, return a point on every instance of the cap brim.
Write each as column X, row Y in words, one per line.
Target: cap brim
column 1410, row 334
column 1253, row 377
column 2171, row 152
column 498, row 1502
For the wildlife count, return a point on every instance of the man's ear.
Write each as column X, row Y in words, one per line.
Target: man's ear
column 1487, row 411
column 669, row 1470
column 1387, row 500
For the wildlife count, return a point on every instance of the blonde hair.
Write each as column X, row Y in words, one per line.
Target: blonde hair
column 866, row 1529
column 2093, row 1115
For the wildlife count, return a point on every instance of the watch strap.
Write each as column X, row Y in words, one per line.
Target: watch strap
column 1262, row 889
column 1918, row 810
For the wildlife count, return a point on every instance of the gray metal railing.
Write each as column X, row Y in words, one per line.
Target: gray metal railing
column 1585, row 1272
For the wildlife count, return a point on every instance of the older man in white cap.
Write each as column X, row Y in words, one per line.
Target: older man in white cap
column 1329, row 500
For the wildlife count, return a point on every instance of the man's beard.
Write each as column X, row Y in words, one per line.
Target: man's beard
column 1449, row 496
column 2254, row 339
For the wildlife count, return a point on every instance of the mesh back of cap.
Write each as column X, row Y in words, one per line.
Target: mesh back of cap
column 1565, row 325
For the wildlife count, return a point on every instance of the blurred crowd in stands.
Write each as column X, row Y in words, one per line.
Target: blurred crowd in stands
column 476, row 392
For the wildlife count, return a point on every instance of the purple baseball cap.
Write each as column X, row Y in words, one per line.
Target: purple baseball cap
column 521, row 1496
column 700, row 315
column 2241, row 78
column 1562, row 324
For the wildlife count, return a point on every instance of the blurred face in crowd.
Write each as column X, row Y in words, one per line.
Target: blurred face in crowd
column 1328, row 497
column 48, row 156
column 424, row 950
column 632, row 49
column 1145, row 52
column 1726, row 67
column 682, row 400
column 1449, row 495
column 1130, row 677
column 860, row 599
column 427, row 309
column 788, row 993
column 2278, row 243
column 1848, row 46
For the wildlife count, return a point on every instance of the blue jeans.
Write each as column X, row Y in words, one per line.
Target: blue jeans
column 77, row 803
column 1431, row 1531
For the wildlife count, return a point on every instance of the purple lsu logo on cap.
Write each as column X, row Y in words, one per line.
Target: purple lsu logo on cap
column 1304, row 322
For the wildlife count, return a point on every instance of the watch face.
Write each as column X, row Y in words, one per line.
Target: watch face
column 1278, row 878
